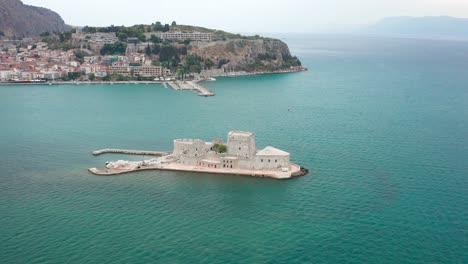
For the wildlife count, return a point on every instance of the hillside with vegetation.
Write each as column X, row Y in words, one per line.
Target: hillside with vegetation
column 226, row 50
column 144, row 45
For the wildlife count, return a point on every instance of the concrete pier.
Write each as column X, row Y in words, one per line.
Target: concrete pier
column 191, row 85
column 131, row 152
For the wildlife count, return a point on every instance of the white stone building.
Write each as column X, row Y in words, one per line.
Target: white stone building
column 5, row 75
column 196, row 36
column 241, row 154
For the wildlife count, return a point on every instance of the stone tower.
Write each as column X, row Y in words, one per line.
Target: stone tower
column 241, row 144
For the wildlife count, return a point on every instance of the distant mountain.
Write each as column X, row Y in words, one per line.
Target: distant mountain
column 441, row 26
column 18, row 19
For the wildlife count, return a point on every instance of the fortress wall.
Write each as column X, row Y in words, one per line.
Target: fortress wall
column 241, row 144
column 189, row 151
column 271, row 162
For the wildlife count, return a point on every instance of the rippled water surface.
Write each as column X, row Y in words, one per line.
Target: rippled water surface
column 381, row 123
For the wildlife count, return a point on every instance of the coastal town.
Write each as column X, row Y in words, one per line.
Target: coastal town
column 117, row 54
column 38, row 62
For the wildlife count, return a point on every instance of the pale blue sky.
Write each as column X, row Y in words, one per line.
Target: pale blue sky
column 249, row 15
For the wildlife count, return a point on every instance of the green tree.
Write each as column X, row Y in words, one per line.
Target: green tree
column 118, row 48
column 220, row 148
column 121, row 78
column 122, row 36
column 158, row 26
column 74, row 75
column 107, row 78
column 141, row 36
column 156, row 49
column 92, row 77
column 167, row 52
column 175, row 62
column 2, row 33
column 173, row 24
column 79, row 55
column 209, row 63
column 155, row 39
column 148, row 50
column 87, row 29
column 181, row 72
column 166, row 28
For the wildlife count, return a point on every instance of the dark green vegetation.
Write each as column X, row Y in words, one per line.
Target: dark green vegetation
column 118, row 48
column 59, row 40
column 220, row 148
column 79, row 55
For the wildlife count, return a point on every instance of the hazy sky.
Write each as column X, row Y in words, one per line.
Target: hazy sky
column 249, row 15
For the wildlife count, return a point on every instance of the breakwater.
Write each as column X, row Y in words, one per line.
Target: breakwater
column 131, row 152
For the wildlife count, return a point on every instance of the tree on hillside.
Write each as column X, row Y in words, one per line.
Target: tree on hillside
column 87, row 29
column 173, row 24
column 156, row 49
column 2, row 33
column 167, row 52
column 148, row 50
column 158, row 26
column 141, row 37
column 122, row 36
column 113, row 49
column 166, row 28
column 155, row 39
column 79, row 55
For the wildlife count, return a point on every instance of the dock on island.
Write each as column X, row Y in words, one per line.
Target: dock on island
column 131, row 152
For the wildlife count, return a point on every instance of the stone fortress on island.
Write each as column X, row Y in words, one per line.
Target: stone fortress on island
column 239, row 156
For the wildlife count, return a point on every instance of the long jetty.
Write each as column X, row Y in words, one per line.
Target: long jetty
column 131, row 152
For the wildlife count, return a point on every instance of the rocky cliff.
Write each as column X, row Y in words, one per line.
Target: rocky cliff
column 20, row 20
column 262, row 54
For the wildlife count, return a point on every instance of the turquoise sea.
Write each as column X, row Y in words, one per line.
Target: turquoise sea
column 381, row 123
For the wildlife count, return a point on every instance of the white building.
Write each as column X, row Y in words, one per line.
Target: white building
column 5, row 75
column 196, row 36
column 241, row 153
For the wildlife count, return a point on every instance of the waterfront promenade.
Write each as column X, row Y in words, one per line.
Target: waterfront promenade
column 295, row 170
